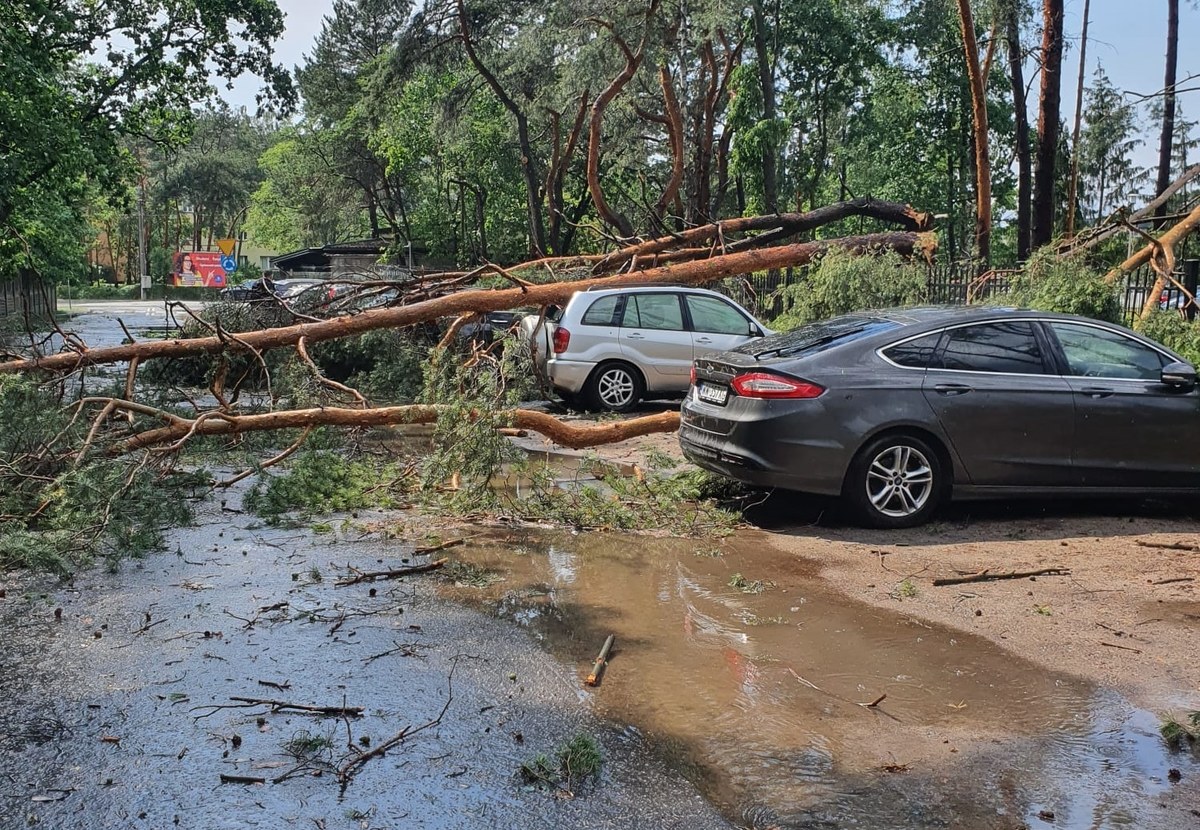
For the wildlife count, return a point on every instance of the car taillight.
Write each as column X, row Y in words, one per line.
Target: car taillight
column 765, row 385
column 692, row 378
column 562, row 339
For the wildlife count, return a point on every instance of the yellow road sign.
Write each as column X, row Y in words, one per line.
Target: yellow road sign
column 226, row 246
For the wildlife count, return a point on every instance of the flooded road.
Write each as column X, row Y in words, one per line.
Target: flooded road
column 117, row 704
column 758, row 676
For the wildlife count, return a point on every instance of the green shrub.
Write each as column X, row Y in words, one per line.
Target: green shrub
column 842, row 282
column 1176, row 333
column 1064, row 284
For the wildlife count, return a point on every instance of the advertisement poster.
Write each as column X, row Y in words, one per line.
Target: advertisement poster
column 199, row 268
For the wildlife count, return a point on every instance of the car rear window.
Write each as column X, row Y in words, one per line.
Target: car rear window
column 818, row 337
column 601, row 312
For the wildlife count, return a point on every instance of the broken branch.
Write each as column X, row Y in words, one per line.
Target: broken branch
column 987, row 576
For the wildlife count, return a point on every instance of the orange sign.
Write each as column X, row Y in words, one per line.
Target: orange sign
column 226, row 246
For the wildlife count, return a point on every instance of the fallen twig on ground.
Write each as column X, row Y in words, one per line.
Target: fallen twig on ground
column 371, row 576
column 988, row 576
column 1167, row 545
column 349, row 768
column 280, row 706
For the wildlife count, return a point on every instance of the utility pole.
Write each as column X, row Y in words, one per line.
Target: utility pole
column 143, row 275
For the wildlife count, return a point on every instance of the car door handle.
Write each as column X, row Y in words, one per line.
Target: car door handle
column 1097, row 391
column 949, row 389
column 635, row 336
column 703, row 339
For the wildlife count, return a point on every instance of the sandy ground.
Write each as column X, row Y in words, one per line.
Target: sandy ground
column 1127, row 615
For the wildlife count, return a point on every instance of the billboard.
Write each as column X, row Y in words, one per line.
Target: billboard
column 199, row 268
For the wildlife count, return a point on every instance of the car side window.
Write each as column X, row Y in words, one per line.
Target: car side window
column 1099, row 353
column 915, row 353
column 1010, row 348
column 602, row 312
column 653, row 311
column 716, row 316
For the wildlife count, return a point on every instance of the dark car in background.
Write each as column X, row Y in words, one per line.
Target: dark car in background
column 897, row 411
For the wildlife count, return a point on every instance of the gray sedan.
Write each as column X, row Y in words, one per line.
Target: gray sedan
column 897, row 411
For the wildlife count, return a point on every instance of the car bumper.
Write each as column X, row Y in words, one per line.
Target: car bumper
column 568, row 375
column 765, row 444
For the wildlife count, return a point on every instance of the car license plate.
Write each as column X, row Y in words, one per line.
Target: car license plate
column 709, row 393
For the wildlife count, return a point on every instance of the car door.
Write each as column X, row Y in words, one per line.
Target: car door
column 653, row 337
column 716, row 325
column 1131, row 430
column 1009, row 418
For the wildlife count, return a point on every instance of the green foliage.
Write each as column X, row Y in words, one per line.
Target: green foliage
column 1063, row 284
column 82, row 79
column 573, row 763
column 842, row 282
column 324, row 481
column 1176, row 333
column 61, row 511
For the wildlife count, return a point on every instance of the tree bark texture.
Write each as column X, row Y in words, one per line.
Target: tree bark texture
column 566, row 434
column 766, row 80
column 692, row 272
column 1166, row 138
column 979, row 131
column 1024, row 152
column 1073, row 190
column 632, row 61
column 1049, row 113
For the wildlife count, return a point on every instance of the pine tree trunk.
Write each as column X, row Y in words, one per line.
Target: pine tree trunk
column 1049, row 107
column 1168, row 125
column 979, row 125
column 1024, row 153
column 1073, row 191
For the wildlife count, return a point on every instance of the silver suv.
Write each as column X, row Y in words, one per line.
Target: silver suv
column 607, row 349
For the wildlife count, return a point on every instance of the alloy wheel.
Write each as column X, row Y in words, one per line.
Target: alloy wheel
column 615, row 387
column 899, row 481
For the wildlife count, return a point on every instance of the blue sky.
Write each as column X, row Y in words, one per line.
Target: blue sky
column 1127, row 38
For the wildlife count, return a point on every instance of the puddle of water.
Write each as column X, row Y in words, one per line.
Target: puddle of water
column 764, row 692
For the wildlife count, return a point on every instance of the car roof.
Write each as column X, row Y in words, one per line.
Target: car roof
column 933, row 316
column 655, row 288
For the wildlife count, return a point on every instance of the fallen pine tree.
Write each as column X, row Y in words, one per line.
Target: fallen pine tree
column 692, row 272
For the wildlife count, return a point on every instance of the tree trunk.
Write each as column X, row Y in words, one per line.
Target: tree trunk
column 766, row 81
column 692, row 272
column 1024, row 158
column 979, row 119
column 1049, row 107
column 533, row 196
column 1168, row 126
column 1073, row 191
column 573, row 435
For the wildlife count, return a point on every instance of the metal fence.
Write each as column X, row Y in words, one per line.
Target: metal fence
column 28, row 296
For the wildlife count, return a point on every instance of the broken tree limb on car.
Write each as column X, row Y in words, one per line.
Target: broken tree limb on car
column 178, row 429
column 907, row 243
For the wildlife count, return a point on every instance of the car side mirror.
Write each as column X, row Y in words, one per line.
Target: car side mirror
column 1179, row 374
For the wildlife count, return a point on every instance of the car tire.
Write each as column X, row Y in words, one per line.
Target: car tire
column 614, row 387
column 895, row 481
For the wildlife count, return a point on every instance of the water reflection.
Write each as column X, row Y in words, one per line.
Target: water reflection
column 767, row 692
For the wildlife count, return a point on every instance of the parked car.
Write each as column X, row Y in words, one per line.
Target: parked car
column 308, row 291
column 609, row 349
column 897, row 411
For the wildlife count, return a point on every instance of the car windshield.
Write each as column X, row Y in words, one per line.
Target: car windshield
column 817, row 337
